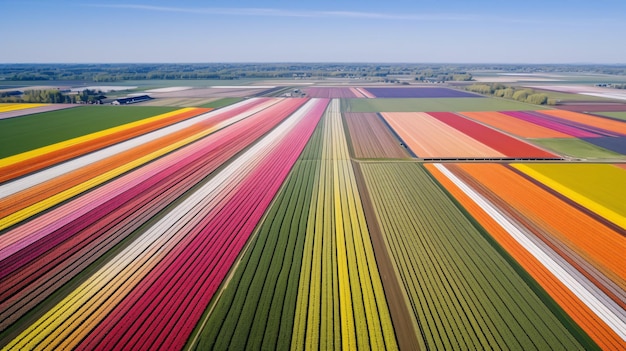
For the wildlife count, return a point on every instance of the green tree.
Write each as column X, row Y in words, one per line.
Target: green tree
column 480, row 88
column 537, row 99
column 521, row 95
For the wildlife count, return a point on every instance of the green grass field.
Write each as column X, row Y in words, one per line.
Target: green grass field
column 432, row 105
column 30, row 132
column 576, row 148
column 222, row 102
column 618, row 115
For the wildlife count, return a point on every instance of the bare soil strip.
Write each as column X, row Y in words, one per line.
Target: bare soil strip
column 400, row 314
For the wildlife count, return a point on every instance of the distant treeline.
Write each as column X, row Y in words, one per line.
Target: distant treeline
column 431, row 75
column 514, row 93
column 52, row 96
column 226, row 71
column 229, row 71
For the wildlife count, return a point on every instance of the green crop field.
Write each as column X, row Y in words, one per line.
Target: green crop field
column 462, row 290
column 433, row 105
column 576, row 148
column 30, row 132
column 222, row 102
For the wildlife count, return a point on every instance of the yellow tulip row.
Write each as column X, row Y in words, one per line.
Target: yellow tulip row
column 77, row 314
column 40, row 206
column 341, row 302
column 597, row 187
column 16, row 107
column 7, row 161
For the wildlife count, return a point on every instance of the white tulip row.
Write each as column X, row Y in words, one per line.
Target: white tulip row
column 602, row 305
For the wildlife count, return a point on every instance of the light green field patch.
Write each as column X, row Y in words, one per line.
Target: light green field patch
column 435, row 105
column 222, row 102
column 576, row 148
column 179, row 102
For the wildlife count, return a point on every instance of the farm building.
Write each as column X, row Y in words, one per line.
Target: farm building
column 131, row 100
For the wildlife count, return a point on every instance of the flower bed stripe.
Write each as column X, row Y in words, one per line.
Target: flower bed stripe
column 612, row 334
column 555, row 125
column 599, row 122
column 30, row 161
column 17, row 107
column 187, row 166
column 505, row 144
column 514, row 126
column 598, row 187
column 428, row 137
column 341, row 302
column 24, row 205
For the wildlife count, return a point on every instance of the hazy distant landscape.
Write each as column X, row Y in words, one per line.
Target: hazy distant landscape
column 312, row 176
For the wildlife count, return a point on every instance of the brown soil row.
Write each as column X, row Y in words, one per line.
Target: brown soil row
column 400, row 313
column 371, row 138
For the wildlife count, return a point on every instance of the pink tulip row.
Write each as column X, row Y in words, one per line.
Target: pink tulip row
column 50, row 250
column 162, row 310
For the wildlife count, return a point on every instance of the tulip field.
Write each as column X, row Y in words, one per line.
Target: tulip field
column 449, row 135
column 576, row 257
column 398, row 92
column 351, row 218
column 569, row 133
column 17, row 107
column 16, row 110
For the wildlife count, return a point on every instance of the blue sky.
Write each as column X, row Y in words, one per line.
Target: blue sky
column 529, row 31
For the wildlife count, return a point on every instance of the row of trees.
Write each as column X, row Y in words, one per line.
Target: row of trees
column 226, row 71
column 443, row 76
column 514, row 93
column 53, row 96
